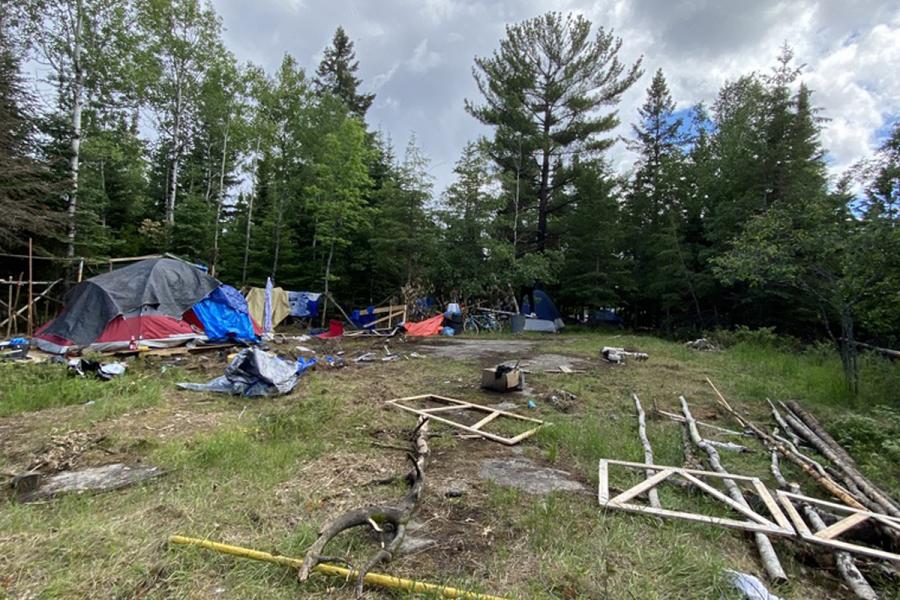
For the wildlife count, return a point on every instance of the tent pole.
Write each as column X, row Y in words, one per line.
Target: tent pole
column 9, row 308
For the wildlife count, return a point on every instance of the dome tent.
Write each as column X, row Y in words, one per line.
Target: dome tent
column 151, row 300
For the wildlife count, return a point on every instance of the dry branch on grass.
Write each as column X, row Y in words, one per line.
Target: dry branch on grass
column 766, row 552
column 652, row 494
column 389, row 521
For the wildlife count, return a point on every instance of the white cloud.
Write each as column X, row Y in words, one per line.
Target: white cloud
column 423, row 59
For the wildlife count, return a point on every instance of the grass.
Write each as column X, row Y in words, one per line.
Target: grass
column 268, row 472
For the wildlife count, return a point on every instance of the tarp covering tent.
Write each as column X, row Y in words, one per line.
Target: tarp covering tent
column 281, row 306
column 304, row 304
column 224, row 314
column 150, row 301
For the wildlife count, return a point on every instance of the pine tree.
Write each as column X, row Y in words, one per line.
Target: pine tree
column 336, row 74
column 544, row 91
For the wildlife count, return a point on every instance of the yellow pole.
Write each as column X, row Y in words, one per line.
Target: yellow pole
column 387, row 581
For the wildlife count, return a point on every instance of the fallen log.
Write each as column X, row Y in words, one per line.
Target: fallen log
column 783, row 424
column 830, row 449
column 872, row 497
column 833, row 488
column 766, row 551
column 388, row 521
column 653, row 495
column 845, row 563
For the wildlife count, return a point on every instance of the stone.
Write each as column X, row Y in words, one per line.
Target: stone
column 526, row 475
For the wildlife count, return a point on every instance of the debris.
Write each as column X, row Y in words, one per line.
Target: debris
column 14, row 349
column 702, row 344
column 375, row 579
column 564, row 369
column 304, row 349
column 253, row 372
column 105, row 371
column 389, row 521
column 62, row 452
column 452, row 405
column 562, row 400
column 680, row 419
column 455, row 488
column 503, row 378
column 618, row 355
column 528, row 476
column 93, row 479
column 828, row 536
column 532, row 404
column 775, row 524
column 748, row 585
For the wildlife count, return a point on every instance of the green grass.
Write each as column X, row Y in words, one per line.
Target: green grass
column 273, row 470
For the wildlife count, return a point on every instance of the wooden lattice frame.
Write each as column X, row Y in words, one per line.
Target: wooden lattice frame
column 452, row 404
column 778, row 524
column 828, row 536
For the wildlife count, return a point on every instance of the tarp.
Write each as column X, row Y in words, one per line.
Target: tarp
column 253, row 372
column 425, row 328
column 224, row 315
column 160, row 286
column 304, row 304
column 256, row 302
column 361, row 318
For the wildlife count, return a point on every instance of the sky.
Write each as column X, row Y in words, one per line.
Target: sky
column 417, row 56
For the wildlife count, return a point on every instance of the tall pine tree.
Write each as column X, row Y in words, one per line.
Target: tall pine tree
column 337, row 74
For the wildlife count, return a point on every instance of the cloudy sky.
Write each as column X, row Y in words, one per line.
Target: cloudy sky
column 417, row 56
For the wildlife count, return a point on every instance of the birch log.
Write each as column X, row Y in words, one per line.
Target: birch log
column 653, row 495
column 766, row 552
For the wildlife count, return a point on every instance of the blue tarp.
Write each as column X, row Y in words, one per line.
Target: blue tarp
column 361, row 318
column 304, row 304
column 224, row 315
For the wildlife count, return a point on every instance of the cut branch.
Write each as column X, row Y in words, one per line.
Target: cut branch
column 388, row 521
column 653, row 495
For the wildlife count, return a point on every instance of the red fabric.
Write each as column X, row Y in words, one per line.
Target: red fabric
column 148, row 327
column 335, row 329
column 256, row 328
column 425, row 328
column 191, row 318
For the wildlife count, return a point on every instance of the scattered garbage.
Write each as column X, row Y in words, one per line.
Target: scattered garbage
column 749, row 586
column 105, row 371
column 503, row 378
column 562, row 400
column 702, row 344
column 618, row 355
column 14, row 349
column 304, row 364
column 253, row 372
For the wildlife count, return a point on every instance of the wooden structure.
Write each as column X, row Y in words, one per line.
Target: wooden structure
column 452, row 405
column 776, row 523
column 828, row 536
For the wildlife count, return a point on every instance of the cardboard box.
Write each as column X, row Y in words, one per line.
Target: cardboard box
column 507, row 382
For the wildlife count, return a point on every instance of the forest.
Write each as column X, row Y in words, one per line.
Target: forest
column 150, row 136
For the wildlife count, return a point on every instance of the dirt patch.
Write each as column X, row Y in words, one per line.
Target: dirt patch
column 475, row 348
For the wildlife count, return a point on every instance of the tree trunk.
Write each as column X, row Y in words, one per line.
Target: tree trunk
column 848, row 351
column 327, row 279
column 544, row 190
column 176, row 158
column 75, row 146
column 250, row 213
column 221, row 200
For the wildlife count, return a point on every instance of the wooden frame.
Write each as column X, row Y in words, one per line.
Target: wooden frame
column 452, row 404
column 828, row 536
column 777, row 525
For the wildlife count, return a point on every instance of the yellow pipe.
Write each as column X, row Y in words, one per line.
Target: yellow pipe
column 387, row 581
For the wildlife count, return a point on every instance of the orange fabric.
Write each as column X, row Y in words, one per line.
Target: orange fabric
column 425, row 328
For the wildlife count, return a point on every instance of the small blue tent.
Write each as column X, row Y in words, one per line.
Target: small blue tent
column 544, row 307
column 225, row 316
column 605, row 317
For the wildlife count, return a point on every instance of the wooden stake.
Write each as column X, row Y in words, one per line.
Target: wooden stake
column 30, row 287
column 9, row 311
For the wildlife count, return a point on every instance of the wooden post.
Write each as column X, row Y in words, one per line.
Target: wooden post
column 30, row 287
column 9, row 311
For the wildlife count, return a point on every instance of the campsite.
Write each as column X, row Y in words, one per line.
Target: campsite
column 485, row 300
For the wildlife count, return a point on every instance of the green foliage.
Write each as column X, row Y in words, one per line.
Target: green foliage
column 336, row 74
